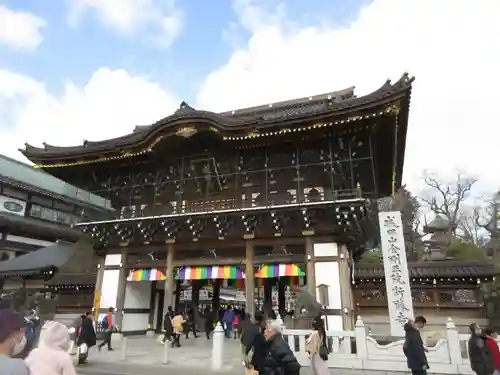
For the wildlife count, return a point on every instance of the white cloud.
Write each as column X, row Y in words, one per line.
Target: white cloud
column 161, row 21
column 109, row 105
column 20, row 30
column 451, row 46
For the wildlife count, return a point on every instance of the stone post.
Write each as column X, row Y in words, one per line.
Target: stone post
column 166, row 345
column 361, row 347
column 279, row 320
column 218, row 347
column 453, row 343
column 123, row 349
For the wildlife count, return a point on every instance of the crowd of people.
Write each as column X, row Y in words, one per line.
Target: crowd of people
column 264, row 349
column 48, row 358
column 483, row 350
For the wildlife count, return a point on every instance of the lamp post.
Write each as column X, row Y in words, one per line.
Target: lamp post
column 324, row 300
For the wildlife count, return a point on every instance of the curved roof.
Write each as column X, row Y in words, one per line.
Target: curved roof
column 44, row 259
column 40, row 227
column 433, row 269
column 232, row 122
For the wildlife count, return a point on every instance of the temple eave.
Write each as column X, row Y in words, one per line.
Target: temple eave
column 327, row 113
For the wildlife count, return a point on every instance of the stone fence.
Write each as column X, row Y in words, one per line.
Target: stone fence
column 357, row 350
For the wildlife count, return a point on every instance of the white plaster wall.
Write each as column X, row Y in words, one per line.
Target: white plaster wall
column 113, row 260
column 328, row 249
column 328, row 273
column 135, row 322
column 335, row 323
column 109, row 289
column 137, row 295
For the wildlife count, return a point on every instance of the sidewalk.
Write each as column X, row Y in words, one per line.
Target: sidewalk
column 148, row 352
column 124, row 368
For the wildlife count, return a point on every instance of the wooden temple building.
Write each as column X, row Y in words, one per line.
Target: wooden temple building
column 38, row 245
column 258, row 199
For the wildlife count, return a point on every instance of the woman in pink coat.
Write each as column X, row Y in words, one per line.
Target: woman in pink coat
column 52, row 357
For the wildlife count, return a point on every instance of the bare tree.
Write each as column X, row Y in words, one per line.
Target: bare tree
column 446, row 199
column 409, row 206
column 490, row 222
column 469, row 227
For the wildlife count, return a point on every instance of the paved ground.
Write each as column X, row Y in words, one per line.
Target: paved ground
column 107, row 369
column 143, row 351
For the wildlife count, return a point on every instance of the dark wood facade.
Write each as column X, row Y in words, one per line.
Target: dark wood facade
column 274, row 174
column 278, row 171
column 436, row 285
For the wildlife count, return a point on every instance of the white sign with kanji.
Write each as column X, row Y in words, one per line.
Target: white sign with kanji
column 397, row 281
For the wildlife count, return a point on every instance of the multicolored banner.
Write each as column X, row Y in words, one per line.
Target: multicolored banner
column 146, row 274
column 210, row 273
column 278, row 270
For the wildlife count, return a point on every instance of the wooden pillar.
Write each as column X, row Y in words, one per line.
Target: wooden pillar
column 268, row 296
column 98, row 287
column 177, row 297
column 152, row 305
column 121, row 290
column 216, row 297
column 281, row 297
column 169, row 280
column 310, row 271
column 250, row 278
column 346, row 289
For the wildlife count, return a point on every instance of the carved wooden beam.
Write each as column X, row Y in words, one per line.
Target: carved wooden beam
column 224, row 244
column 216, row 261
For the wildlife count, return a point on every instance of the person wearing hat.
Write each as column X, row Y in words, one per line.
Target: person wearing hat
column 12, row 342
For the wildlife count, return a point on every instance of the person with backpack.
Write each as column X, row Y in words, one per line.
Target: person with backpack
column 108, row 325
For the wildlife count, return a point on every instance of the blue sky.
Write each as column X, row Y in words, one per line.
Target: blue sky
column 70, row 52
column 75, row 70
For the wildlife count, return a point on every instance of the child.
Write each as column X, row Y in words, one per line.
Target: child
column 51, row 356
column 236, row 323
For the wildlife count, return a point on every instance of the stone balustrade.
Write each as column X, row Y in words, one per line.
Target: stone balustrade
column 357, row 350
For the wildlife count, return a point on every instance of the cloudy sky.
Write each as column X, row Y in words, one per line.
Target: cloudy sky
column 92, row 69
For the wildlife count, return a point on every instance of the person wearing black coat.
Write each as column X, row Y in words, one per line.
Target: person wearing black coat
column 190, row 325
column 254, row 341
column 279, row 359
column 413, row 347
column 167, row 325
column 208, row 322
column 87, row 333
column 480, row 356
